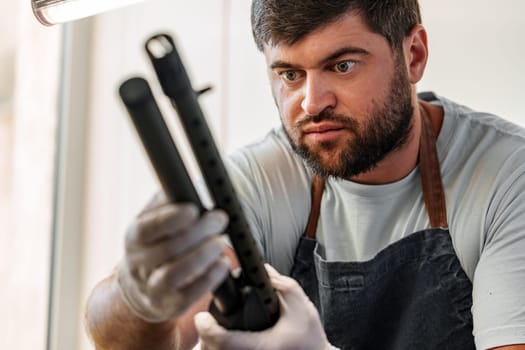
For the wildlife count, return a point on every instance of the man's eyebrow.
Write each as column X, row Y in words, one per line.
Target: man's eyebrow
column 283, row 64
column 333, row 56
column 350, row 50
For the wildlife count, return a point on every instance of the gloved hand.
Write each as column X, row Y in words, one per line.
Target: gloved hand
column 173, row 256
column 298, row 328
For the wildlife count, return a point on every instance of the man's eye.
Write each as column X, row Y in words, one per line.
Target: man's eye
column 344, row 66
column 289, row 75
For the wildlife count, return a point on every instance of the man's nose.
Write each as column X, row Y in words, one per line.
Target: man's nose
column 318, row 96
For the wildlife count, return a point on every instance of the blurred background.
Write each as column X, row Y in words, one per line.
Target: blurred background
column 72, row 173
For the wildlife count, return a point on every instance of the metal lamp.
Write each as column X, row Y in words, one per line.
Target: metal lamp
column 50, row 12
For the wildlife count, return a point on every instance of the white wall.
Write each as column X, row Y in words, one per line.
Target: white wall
column 476, row 55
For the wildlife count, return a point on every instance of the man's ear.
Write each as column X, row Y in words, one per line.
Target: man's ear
column 415, row 49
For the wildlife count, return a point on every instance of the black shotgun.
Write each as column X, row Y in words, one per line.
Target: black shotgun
column 246, row 301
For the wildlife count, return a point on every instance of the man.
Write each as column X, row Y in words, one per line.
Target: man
column 402, row 220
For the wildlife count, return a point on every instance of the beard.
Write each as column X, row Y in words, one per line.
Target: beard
column 386, row 129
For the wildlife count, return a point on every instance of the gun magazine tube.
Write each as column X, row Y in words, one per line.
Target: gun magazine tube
column 156, row 139
column 176, row 85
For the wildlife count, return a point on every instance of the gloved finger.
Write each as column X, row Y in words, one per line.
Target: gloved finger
column 157, row 200
column 211, row 223
column 280, row 282
column 272, row 272
column 209, row 281
column 210, row 332
column 213, row 336
column 143, row 259
column 160, row 223
column 290, row 293
column 179, row 273
column 180, row 301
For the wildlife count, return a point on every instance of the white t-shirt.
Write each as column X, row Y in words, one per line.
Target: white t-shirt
column 482, row 160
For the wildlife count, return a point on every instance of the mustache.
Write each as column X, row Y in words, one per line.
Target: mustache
column 328, row 115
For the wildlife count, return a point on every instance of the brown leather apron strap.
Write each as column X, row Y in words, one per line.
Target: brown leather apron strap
column 433, row 192
column 316, row 195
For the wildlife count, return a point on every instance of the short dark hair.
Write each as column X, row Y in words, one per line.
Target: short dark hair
column 288, row 21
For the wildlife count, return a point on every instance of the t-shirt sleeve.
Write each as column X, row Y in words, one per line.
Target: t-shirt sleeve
column 499, row 279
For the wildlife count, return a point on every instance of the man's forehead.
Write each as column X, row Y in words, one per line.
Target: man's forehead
column 352, row 20
column 348, row 31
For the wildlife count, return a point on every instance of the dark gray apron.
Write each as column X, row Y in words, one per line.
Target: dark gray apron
column 413, row 294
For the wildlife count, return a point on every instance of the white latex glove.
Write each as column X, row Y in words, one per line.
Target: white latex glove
column 173, row 256
column 298, row 328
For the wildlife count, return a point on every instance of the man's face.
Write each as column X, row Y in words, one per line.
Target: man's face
column 343, row 97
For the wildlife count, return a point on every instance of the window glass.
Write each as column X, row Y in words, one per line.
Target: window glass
column 29, row 63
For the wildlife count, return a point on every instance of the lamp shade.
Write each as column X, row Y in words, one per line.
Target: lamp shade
column 50, row 12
